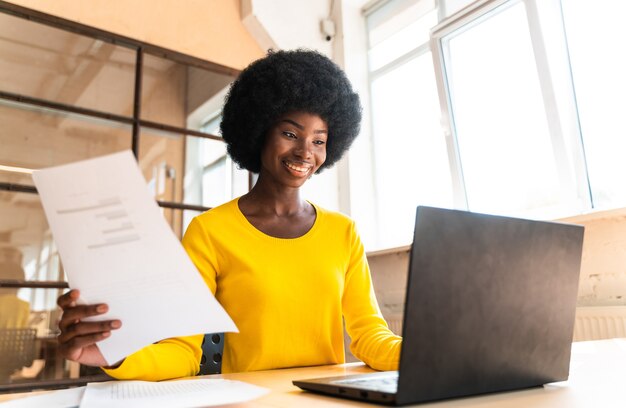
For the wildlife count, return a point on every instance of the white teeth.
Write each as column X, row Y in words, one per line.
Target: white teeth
column 297, row 168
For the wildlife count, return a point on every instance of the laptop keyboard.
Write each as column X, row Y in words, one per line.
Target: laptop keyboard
column 387, row 383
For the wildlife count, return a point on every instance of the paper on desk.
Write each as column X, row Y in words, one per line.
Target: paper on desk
column 117, row 248
column 69, row 398
column 169, row 394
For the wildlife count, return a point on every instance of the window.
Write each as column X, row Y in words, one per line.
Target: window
column 211, row 177
column 410, row 157
column 508, row 159
column 525, row 121
column 595, row 32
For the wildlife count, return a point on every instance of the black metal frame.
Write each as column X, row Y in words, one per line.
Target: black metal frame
column 135, row 121
column 12, row 283
column 137, row 101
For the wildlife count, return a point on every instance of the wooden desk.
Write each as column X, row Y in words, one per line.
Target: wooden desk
column 597, row 379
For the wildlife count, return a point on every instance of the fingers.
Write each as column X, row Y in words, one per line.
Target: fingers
column 68, row 299
column 78, row 338
column 73, row 315
column 75, row 332
column 78, row 341
column 78, row 328
column 85, row 333
column 76, row 344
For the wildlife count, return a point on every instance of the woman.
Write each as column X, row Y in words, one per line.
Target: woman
column 287, row 271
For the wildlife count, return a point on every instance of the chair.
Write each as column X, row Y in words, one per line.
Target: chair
column 17, row 350
column 212, row 350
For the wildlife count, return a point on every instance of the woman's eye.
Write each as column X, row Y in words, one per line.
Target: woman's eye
column 319, row 142
column 290, row 135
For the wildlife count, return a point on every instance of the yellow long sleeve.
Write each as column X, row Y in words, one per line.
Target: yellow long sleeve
column 288, row 297
column 170, row 358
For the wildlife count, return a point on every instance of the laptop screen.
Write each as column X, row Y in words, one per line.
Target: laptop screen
column 490, row 303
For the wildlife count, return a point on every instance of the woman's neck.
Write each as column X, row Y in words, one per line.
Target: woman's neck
column 275, row 200
column 277, row 213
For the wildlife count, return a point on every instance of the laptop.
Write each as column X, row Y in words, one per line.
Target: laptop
column 490, row 306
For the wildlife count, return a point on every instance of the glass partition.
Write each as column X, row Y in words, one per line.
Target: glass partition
column 171, row 91
column 34, row 137
column 69, row 92
column 28, row 315
column 57, row 65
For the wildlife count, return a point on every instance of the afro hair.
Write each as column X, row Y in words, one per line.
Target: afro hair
column 284, row 82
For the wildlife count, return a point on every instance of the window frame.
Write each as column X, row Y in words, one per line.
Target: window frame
column 562, row 121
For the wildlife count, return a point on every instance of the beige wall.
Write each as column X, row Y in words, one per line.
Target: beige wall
column 207, row 29
column 603, row 269
column 602, row 272
column 389, row 270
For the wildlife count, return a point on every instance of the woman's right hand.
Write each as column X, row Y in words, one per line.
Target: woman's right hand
column 77, row 341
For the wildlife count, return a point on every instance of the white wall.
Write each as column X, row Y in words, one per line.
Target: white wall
column 351, row 52
column 294, row 24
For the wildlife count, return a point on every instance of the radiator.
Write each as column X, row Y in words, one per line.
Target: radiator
column 600, row 322
column 592, row 323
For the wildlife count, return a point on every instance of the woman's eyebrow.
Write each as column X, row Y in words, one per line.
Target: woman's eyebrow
column 293, row 122
column 299, row 126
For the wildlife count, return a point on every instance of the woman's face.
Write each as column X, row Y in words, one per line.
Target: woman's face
column 295, row 147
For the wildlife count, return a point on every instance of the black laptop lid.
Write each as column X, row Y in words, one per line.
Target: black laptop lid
column 490, row 304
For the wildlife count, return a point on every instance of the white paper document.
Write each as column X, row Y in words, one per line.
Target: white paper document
column 117, row 248
column 69, row 398
column 169, row 394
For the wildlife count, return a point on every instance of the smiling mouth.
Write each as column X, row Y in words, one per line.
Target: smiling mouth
column 299, row 168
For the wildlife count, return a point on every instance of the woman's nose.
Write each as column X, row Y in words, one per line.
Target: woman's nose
column 303, row 149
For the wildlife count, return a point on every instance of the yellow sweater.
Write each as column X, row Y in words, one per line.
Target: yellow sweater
column 287, row 297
